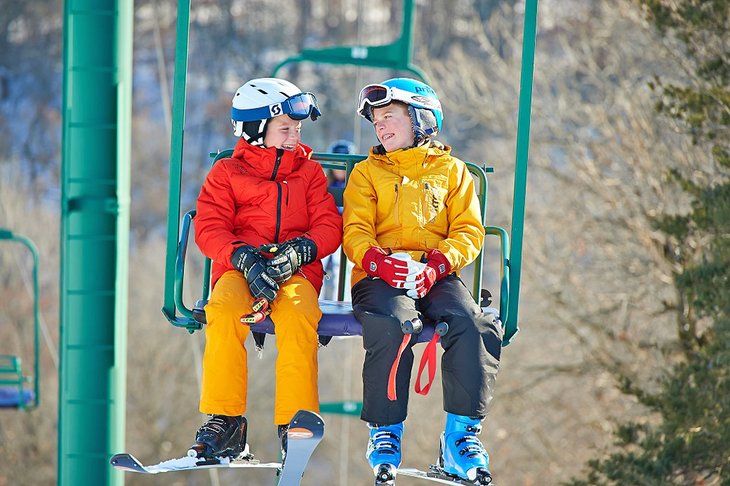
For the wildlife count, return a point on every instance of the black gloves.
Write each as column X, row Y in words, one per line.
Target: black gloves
column 262, row 275
column 252, row 264
column 289, row 257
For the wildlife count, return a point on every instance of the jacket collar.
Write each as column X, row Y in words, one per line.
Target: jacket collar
column 410, row 161
column 262, row 162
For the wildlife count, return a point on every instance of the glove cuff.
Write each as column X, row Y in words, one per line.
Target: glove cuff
column 439, row 263
column 371, row 258
column 240, row 258
column 307, row 250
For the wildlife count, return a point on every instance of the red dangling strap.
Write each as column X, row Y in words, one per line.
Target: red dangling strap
column 428, row 357
column 394, row 369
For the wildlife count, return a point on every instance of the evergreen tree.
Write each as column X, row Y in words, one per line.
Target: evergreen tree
column 689, row 444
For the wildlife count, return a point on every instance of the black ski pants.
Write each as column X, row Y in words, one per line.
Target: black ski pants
column 471, row 355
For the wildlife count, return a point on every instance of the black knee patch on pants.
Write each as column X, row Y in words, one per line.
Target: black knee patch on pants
column 470, row 362
column 382, row 337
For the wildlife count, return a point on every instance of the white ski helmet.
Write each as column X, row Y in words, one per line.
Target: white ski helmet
column 261, row 99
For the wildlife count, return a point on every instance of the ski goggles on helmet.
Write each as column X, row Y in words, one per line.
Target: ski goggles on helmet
column 372, row 96
column 377, row 95
column 298, row 107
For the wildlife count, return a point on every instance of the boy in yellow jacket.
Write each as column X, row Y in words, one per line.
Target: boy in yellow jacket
column 411, row 196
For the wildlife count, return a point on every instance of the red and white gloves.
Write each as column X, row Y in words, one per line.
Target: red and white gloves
column 392, row 269
column 399, row 270
column 436, row 268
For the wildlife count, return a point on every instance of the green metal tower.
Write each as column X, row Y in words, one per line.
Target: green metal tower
column 97, row 84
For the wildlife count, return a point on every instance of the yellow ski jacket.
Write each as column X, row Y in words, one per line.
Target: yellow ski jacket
column 412, row 200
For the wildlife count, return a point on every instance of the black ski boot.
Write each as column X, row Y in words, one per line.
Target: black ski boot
column 221, row 436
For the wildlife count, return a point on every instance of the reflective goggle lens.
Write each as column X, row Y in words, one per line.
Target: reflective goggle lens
column 374, row 95
column 302, row 106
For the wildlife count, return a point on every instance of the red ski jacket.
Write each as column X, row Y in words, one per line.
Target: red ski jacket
column 266, row 195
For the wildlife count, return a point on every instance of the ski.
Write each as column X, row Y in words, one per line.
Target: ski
column 437, row 475
column 303, row 436
column 305, row 432
column 127, row 462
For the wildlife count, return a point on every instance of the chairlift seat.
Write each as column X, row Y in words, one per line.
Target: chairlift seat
column 16, row 389
column 13, row 393
column 10, row 397
column 337, row 319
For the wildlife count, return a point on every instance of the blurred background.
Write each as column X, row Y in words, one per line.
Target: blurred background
column 620, row 139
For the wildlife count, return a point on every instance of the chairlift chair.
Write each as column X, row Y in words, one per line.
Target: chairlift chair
column 337, row 318
column 18, row 390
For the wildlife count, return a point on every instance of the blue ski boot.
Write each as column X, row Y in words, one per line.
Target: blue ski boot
column 461, row 453
column 383, row 452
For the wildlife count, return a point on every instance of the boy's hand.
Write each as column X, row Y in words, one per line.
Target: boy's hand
column 377, row 263
column 248, row 261
column 289, row 257
column 437, row 268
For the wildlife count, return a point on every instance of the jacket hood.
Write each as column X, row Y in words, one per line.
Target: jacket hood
column 262, row 162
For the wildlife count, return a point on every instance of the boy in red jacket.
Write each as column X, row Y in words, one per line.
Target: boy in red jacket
column 268, row 198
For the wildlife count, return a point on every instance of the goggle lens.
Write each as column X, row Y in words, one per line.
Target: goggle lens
column 301, row 106
column 374, row 95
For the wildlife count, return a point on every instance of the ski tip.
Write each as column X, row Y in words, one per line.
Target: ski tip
column 120, row 458
column 126, row 462
column 306, row 424
column 306, row 415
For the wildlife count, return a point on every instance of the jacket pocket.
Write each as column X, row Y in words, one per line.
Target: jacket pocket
column 433, row 200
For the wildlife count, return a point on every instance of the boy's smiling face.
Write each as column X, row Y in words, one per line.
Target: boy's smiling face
column 283, row 132
column 393, row 126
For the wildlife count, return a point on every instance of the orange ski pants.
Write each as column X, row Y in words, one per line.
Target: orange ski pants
column 295, row 313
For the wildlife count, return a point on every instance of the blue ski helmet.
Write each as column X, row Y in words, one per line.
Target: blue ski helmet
column 342, row 147
column 424, row 105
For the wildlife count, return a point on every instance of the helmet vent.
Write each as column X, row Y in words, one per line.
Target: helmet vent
column 264, row 92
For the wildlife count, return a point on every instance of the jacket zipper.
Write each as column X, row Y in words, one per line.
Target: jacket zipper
column 279, row 153
column 397, row 212
column 278, row 212
column 424, row 201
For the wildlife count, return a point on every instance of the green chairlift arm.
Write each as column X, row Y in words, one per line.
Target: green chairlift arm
column 176, row 153
column 396, row 55
column 523, row 145
column 6, row 234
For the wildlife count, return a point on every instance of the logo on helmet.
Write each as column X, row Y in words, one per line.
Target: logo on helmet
column 275, row 110
column 424, row 100
column 424, row 89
